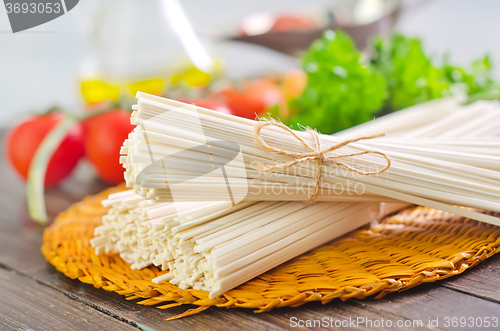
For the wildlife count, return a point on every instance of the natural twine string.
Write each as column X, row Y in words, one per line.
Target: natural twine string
column 316, row 153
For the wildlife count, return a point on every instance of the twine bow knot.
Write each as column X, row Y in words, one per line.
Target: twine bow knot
column 316, row 153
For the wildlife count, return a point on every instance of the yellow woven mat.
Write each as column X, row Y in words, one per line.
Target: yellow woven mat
column 418, row 245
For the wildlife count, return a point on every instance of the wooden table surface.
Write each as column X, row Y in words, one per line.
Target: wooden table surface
column 34, row 296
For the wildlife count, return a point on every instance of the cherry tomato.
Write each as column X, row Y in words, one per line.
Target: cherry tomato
column 293, row 83
column 23, row 141
column 254, row 98
column 216, row 105
column 294, row 23
column 104, row 136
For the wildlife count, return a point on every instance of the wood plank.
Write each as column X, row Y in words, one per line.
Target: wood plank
column 336, row 315
column 243, row 319
column 20, row 251
column 482, row 281
column 12, row 211
column 148, row 316
column 5, row 327
column 429, row 302
column 25, row 257
column 25, row 304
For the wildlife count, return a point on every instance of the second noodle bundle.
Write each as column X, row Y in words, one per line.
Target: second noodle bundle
column 208, row 246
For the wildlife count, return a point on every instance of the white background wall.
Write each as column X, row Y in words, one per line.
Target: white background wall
column 39, row 67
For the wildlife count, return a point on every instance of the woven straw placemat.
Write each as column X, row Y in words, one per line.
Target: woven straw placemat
column 417, row 245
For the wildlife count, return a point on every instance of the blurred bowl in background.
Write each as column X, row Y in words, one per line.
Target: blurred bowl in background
column 292, row 33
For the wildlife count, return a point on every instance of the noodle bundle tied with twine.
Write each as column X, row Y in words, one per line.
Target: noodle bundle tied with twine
column 317, row 153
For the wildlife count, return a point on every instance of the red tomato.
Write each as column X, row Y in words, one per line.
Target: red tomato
column 219, row 106
column 23, row 141
column 255, row 97
column 104, row 136
column 293, row 83
column 294, row 23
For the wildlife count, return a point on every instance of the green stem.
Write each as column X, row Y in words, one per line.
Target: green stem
column 40, row 162
column 38, row 168
column 491, row 94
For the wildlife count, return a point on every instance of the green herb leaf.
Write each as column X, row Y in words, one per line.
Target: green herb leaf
column 413, row 78
column 342, row 90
